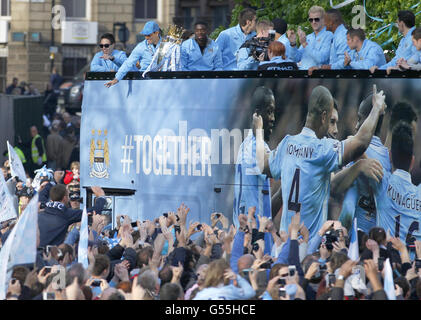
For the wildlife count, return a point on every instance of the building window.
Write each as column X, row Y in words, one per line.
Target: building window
column 75, row 8
column 5, row 8
column 72, row 66
column 189, row 16
column 146, row 9
column 220, row 16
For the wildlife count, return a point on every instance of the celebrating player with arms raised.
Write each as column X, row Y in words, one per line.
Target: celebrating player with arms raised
column 304, row 162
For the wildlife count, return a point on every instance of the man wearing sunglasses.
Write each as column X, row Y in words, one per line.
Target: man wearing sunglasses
column 315, row 47
column 108, row 59
column 143, row 52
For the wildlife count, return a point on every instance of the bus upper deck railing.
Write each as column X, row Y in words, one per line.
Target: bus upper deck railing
column 329, row 74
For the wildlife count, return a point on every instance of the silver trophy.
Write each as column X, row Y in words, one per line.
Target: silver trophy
column 167, row 56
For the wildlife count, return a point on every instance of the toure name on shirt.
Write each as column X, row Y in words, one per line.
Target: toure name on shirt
column 406, row 202
column 300, row 151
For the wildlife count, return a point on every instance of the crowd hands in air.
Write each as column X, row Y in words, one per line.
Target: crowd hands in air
column 270, row 45
column 158, row 260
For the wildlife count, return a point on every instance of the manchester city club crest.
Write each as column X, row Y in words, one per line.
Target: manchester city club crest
column 99, row 157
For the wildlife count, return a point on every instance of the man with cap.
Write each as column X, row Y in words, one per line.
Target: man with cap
column 143, row 52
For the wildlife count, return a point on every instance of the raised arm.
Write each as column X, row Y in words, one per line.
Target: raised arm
column 356, row 145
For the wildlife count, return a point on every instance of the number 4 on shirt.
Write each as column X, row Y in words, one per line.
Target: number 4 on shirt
column 295, row 188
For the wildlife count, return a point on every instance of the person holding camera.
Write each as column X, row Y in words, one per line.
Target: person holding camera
column 57, row 217
column 254, row 51
column 277, row 59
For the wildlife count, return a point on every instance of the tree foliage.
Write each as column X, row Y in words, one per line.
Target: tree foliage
column 295, row 13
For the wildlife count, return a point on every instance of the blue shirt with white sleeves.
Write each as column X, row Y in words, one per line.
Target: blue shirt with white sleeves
column 405, row 50
column 192, row 58
column 229, row 41
column 317, row 51
column 398, row 204
column 304, row 163
column 144, row 53
column 105, row 65
column 338, row 48
column 371, row 54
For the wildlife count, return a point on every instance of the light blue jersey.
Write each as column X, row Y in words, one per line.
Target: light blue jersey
column 102, row 65
column 192, row 58
column 360, row 194
column 371, row 54
column 251, row 189
column 304, row 164
column 405, row 50
column 244, row 292
column 338, row 48
column 290, row 52
column 398, row 205
column 317, row 51
column 144, row 53
column 229, row 41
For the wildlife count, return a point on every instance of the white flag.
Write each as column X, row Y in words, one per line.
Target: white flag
column 7, row 209
column 353, row 252
column 83, row 241
column 16, row 166
column 389, row 285
column 20, row 246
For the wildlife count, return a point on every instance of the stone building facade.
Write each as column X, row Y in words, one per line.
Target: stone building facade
column 29, row 46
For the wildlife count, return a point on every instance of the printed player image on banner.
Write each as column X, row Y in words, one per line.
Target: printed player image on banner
column 154, row 144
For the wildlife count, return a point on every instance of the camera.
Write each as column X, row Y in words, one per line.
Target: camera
column 267, row 265
column 165, row 214
column 96, row 283
column 259, row 45
column 380, row 262
column 292, row 270
column 255, row 247
column 217, row 215
column 282, row 292
column 282, row 281
column 25, row 192
column 75, row 196
column 199, row 227
column 330, row 237
column 331, row 279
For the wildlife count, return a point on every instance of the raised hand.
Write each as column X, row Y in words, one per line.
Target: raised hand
column 372, row 169
column 379, row 99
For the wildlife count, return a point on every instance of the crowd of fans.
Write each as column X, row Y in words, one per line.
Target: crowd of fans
column 150, row 260
column 175, row 258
